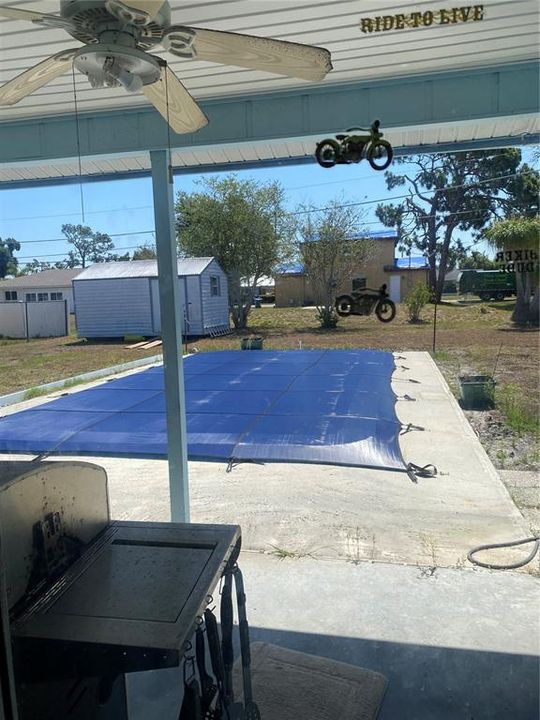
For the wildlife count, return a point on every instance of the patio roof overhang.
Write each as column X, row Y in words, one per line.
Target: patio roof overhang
column 459, row 110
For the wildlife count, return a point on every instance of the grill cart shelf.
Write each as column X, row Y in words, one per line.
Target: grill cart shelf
column 92, row 599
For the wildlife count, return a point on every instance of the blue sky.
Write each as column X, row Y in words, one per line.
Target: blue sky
column 123, row 208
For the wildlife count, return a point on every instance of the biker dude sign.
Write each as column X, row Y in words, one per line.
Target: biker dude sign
column 400, row 21
column 521, row 261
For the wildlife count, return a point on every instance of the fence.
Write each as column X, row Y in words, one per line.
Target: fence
column 34, row 319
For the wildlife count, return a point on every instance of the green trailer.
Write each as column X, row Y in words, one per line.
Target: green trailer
column 487, row 284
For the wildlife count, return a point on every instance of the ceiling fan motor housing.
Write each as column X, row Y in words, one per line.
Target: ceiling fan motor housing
column 89, row 19
column 112, row 65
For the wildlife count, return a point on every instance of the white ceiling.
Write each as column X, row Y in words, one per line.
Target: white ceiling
column 508, row 33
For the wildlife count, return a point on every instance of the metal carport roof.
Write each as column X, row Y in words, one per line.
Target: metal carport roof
column 450, row 86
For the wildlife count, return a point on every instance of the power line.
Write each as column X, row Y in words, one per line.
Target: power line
column 149, row 207
column 304, row 212
column 77, row 212
column 53, row 255
column 369, row 177
column 65, row 240
column 408, row 195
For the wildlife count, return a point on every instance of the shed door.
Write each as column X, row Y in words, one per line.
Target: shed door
column 156, row 314
column 395, row 288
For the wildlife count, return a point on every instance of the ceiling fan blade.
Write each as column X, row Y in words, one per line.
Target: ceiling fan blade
column 34, row 78
column 307, row 62
column 183, row 114
column 35, row 17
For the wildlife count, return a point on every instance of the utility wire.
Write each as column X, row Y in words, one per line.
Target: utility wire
column 87, row 212
column 53, row 255
column 65, row 240
column 365, row 202
column 303, row 212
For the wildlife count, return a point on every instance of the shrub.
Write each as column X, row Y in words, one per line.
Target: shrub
column 327, row 317
column 416, row 300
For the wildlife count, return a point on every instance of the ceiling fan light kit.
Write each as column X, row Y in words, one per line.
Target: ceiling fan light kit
column 116, row 37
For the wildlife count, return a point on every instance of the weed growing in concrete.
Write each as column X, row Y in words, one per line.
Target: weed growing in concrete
column 430, row 548
column 282, row 553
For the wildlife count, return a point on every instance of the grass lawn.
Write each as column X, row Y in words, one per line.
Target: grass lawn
column 25, row 364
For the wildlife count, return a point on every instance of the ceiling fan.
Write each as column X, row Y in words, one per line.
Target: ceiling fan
column 117, row 35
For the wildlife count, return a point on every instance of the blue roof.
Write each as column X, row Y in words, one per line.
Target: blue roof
column 293, row 268
column 368, row 235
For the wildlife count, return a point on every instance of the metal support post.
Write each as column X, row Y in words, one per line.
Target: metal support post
column 171, row 331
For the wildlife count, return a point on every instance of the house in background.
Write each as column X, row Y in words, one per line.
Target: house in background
column 293, row 288
column 40, row 287
column 404, row 274
column 122, row 298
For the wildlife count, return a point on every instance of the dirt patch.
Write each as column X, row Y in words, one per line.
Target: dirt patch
column 506, row 449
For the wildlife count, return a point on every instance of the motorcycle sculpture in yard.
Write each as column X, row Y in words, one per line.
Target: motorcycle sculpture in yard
column 364, row 302
column 351, row 148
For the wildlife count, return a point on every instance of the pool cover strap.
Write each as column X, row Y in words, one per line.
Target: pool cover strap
column 424, row 471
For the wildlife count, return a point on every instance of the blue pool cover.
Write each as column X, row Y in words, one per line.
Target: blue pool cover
column 329, row 406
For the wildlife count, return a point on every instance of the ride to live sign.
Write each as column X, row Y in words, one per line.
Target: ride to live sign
column 400, row 21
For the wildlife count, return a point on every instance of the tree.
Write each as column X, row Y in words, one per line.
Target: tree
column 464, row 191
column 521, row 234
column 144, row 252
column 460, row 256
column 243, row 225
column 35, row 266
column 332, row 250
column 89, row 246
column 8, row 261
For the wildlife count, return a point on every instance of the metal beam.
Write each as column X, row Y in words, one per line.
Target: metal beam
column 458, row 146
column 171, row 331
column 473, row 94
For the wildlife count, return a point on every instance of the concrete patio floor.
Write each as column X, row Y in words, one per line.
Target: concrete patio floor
column 374, row 570
column 454, row 645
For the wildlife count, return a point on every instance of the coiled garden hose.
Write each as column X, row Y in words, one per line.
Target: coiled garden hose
column 493, row 566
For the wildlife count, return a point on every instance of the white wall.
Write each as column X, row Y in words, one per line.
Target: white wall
column 21, row 290
column 113, row 307
column 12, row 320
column 45, row 319
column 156, row 307
column 215, row 308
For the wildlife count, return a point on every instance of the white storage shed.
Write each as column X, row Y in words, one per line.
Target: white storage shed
column 122, row 298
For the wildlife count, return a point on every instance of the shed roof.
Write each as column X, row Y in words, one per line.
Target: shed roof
column 47, row 278
column 141, row 268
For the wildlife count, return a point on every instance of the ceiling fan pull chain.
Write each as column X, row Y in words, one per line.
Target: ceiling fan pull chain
column 78, row 141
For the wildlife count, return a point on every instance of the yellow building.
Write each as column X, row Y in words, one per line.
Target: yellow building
column 293, row 288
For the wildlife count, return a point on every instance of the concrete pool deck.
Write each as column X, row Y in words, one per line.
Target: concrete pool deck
column 373, row 567
column 350, row 513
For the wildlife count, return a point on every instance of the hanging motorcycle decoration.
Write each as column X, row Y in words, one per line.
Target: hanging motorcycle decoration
column 364, row 302
column 352, row 147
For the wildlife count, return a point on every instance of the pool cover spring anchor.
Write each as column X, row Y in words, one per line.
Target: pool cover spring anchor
column 424, row 471
column 233, row 462
column 411, row 426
